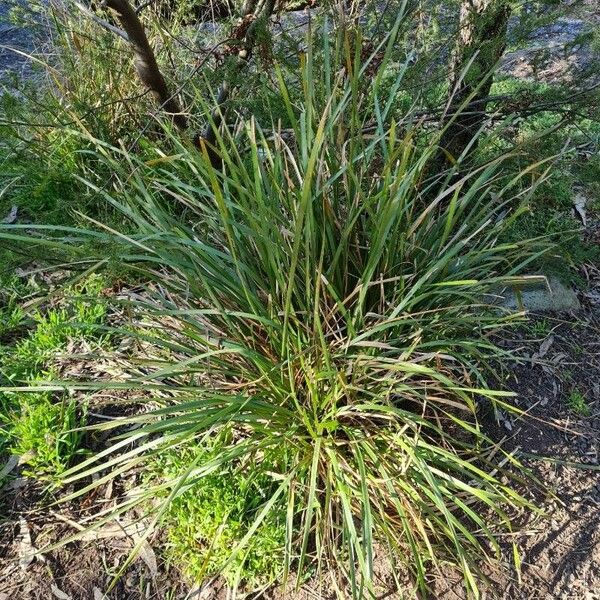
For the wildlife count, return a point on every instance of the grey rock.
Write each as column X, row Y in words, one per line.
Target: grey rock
column 16, row 42
column 542, row 294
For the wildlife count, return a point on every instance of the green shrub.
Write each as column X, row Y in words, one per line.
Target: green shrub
column 316, row 303
column 211, row 517
column 39, row 425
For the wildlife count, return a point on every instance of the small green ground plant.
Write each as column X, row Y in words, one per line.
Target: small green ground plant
column 43, row 433
column 540, row 328
column 212, row 517
column 42, row 427
column 12, row 316
column 577, row 402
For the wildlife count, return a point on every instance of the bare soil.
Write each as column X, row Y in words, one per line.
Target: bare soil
column 561, row 552
column 81, row 570
column 560, row 549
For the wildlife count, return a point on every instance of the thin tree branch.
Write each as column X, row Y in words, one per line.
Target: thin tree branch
column 252, row 13
column 145, row 61
column 101, row 22
column 144, row 5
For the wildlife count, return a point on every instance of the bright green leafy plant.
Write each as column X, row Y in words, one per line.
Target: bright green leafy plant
column 42, row 427
column 211, row 517
column 45, row 433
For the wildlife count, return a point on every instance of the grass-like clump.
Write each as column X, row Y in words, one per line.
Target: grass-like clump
column 315, row 303
column 311, row 338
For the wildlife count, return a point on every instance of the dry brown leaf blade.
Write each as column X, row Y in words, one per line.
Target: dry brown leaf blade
column 146, row 553
column 545, row 346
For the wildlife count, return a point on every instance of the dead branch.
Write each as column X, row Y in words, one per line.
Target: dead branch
column 101, row 22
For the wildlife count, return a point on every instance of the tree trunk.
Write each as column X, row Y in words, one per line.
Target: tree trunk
column 481, row 42
column 145, row 61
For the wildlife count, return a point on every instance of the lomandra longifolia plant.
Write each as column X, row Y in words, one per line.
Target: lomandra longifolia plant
column 319, row 300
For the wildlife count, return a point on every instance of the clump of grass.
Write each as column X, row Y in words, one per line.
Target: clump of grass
column 319, row 305
column 577, row 402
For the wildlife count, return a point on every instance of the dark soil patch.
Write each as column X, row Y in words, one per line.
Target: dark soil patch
column 559, row 386
column 559, row 360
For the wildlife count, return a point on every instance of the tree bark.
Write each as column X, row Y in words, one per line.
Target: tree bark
column 481, row 42
column 145, row 60
column 252, row 14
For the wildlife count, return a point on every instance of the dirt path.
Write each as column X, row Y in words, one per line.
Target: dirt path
column 559, row 387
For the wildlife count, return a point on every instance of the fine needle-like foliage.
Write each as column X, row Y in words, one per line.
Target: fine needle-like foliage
column 321, row 302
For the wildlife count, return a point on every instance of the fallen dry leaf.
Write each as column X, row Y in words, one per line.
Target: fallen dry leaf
column 119, row 528
column 11, row 217
column 544, row 347
column 98, row 595
column 58, row 593
column 149, row 557
column 559, row 357
column 26, row 549
column 579, row 204
column 10, row 464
